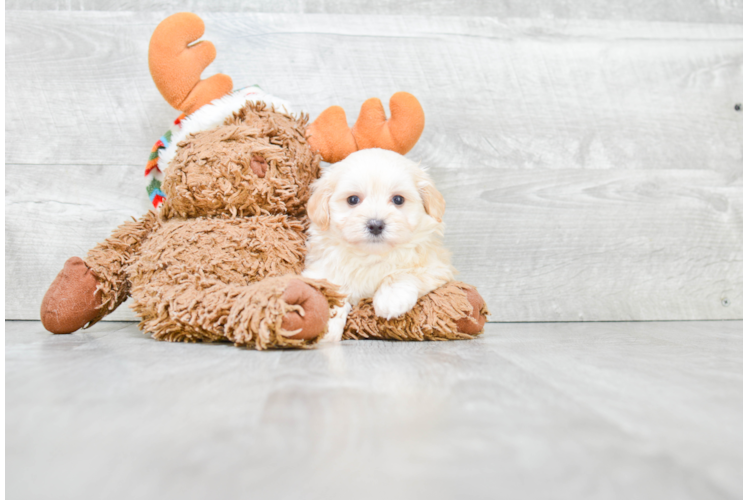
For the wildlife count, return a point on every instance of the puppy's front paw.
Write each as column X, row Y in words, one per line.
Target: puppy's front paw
column 336, row 325
column 392, row 301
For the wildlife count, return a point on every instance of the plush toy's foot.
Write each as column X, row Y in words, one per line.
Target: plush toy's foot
column 72, row 300
column 316, row 310
column 473, row 323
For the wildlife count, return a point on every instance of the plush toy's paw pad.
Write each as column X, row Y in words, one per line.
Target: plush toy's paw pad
column 72, row 299
column 316, row 310
column 473, row 323
column 394, row 300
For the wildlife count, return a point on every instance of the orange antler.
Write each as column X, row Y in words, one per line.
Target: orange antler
column 330, row 136
column 176, row 65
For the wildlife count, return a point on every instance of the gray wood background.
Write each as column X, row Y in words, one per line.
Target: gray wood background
column 590, row 153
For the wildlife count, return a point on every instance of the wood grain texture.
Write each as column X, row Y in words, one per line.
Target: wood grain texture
column 55, row 212
column 512, row 94
column 592, row 168
column 574, row 245
column 714, row 11
column 564, row 245
column 533, row 411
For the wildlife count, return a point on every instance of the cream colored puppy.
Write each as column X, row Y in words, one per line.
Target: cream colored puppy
column 376, row 231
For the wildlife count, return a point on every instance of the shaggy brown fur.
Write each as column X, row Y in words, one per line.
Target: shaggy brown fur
column 223, row 257
column 212, row 171
column 199, row 309
column 216, row 261
column 238, row 250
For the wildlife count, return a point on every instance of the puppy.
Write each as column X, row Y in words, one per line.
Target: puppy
column 376, row 231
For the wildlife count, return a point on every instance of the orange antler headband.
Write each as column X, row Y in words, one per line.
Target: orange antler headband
column 176, row 67
column 330, row 136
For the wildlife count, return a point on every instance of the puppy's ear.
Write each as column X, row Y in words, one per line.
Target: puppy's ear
column 433, row 201
column 318, row 207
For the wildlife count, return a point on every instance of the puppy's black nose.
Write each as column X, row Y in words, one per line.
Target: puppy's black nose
column 375, row 227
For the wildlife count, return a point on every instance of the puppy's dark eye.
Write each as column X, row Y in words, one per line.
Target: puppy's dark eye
column 353, row 200
column 398, row 200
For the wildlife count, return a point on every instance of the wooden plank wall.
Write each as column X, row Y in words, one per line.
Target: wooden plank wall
column 688, row 11
column 590, row 155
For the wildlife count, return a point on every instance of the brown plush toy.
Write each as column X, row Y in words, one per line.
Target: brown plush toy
column 220, row 258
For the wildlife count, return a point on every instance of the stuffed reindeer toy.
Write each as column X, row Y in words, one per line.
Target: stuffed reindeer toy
column 219, row 257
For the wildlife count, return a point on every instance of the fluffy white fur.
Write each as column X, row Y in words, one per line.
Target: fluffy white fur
column 395, row 268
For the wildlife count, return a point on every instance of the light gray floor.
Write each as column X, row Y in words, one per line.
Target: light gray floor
column 555, row 410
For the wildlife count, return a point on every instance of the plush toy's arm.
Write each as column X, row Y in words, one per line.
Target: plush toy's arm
column 86, row 291
column 454, row 311
column 108, row 260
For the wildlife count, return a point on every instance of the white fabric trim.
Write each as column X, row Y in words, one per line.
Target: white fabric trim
column 213, row 114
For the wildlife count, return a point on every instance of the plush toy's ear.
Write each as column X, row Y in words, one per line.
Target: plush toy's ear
column 330, row 136
column 176, row 63
column 318, row 206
